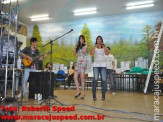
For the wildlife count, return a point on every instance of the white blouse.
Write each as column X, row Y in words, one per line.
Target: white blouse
column 99, row 59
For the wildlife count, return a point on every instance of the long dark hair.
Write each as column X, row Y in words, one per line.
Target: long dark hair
column 101, row 40
column 47, row 65
column 73, row 67
column 79, row 46
column 97, row 38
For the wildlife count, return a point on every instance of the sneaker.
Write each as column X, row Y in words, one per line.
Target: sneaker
column 103, row 96
column 19, row 95
column 94, row 97
column 113, row 93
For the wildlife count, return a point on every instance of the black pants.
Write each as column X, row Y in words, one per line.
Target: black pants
column 70, row 77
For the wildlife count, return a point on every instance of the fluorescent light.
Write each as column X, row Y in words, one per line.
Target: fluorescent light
column 140, row 6
column 85, row 13
column 39, row 16
column 139, row 3
column 84, row 10
column 8, row 1
column 40, row 19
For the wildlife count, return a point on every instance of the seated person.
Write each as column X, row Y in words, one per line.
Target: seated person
column 47, row 67
column 71, row 74
column 28, row 54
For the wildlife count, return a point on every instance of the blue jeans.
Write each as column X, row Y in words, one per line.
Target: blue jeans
column 110, row 73
column 26, row 76
column 103, row 73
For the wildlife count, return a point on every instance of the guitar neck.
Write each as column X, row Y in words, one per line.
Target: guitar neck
column 36, row 57
column 41, row 55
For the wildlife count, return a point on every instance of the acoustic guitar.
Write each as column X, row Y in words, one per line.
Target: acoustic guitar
column 28, row 62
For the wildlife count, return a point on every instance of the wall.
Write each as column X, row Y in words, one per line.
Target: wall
column 126, row 34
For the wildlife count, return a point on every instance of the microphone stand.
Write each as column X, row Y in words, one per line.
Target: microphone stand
column 47, row 101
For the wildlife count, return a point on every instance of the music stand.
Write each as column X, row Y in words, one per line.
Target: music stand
column 47, row 101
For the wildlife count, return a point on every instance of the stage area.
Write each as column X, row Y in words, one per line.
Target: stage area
column 121, row 107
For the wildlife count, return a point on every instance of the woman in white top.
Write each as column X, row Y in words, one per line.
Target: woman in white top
column 99, row 51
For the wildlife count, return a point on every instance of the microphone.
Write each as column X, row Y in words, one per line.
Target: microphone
column 102, row 44
column 71, row 30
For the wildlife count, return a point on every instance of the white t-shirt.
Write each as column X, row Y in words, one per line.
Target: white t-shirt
column 109, row 59
column 99, row 59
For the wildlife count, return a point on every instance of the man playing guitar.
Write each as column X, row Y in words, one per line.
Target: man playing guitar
column 27, row 53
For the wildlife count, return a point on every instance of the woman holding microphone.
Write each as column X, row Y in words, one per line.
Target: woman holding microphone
column 81, row 66
column 99, row 51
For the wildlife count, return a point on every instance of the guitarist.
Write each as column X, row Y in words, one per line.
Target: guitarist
column 26, row 53
column 31, row 50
